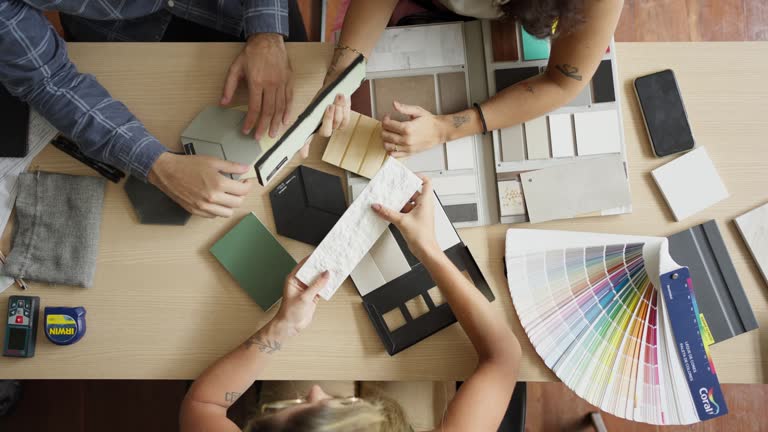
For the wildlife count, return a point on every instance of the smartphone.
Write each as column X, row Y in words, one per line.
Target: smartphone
column 14, row 124
column 664, row 113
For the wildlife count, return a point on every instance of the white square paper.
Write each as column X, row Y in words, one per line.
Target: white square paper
column 690, row 183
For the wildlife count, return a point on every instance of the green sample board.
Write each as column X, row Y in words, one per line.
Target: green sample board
column 534, row 48
column 252, row 255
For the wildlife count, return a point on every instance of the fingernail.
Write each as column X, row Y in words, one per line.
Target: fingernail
column 376, row 206
column 223, row 101
column 325, row 273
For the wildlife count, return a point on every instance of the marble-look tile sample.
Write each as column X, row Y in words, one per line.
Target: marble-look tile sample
column 403, row 48
column 359, row 227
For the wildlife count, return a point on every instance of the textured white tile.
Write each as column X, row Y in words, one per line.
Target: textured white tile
column 511, row 202
column 359, row 227
column 690, row 183
column 753, row 227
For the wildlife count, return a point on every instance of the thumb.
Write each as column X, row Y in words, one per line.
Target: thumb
column 409, row 110
column 230, row 167
column 317, row 285
column 388, row 215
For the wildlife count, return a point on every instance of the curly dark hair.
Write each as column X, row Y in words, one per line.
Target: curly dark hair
column 537, row 16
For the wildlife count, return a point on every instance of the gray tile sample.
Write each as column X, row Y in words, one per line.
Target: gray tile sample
column 512, row 143
column 719, row 293
column 152, row 206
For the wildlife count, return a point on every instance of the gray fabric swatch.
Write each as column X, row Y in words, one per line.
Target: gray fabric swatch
column 56, row 236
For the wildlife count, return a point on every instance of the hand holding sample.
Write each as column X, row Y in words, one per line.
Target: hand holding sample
column 196, row 183
column 416, row 221
column 297, row 307
column 265, row 67
column 422, row 130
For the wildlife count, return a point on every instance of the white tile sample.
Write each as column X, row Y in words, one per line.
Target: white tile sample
column 597, row 132
column 359, row 227
column 690, row 183
column 372, row 271
column 432, row 159
column 561, row 134
column 460, row 153
column 366, row 275
column 388, row 257
column 454, row 185
column 537, row 138
column 753, row 227
column 403, row 48
column 511, row 202
column 512, row 143
column 578, row 188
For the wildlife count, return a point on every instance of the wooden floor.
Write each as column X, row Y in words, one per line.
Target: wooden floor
column 86, row 406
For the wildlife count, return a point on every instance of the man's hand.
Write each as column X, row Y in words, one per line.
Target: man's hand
column 264, row 65
column 299, row 301
column 196, row 183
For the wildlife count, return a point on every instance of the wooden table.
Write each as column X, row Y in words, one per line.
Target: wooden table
column 163, row 308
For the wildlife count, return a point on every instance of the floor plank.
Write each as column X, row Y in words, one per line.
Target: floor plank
column 716, row 20
column 756, row 13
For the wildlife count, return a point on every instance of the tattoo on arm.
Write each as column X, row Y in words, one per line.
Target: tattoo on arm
column 231, row 396
column 527, row 87
column 264, row 345
column 459, row 120
column 569, row 71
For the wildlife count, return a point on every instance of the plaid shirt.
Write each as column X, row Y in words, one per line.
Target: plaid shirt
column 35, row 67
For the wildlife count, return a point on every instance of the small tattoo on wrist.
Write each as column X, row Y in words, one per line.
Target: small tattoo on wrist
column 569, row 71
column 264, row 345
column 231, row 396
column 459, row 120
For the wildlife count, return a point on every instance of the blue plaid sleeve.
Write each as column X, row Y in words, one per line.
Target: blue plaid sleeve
column 265, row 16
column 35, row 67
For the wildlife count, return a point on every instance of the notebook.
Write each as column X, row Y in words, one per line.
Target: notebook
column 255, row 259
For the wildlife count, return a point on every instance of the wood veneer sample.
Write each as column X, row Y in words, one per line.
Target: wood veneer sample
column 358, row 144
column 412, row 90
column 358, row 147
column 453, row 92
column 337, row 144
column 504, row 41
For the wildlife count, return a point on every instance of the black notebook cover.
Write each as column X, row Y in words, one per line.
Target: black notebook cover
column 14, row 124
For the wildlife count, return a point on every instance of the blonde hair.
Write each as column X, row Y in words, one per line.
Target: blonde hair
column 380, row 415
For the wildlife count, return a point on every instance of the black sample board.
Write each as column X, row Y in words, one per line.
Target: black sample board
column 417, row 282
column 719, row 293
column 509, row 77
column 602, row 83
column 14, row 124
column 307, row 204
column 153, row 207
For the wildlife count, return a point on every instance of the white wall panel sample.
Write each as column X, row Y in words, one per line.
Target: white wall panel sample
column 454, row 185
column 597, row 132
column 561, row 134
column 388, row 257
column 690, row 183
column 432, row 159
column 461, row 153
column 753, row 226
column 359, row 227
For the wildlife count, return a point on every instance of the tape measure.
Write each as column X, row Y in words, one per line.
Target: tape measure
column 64, row 325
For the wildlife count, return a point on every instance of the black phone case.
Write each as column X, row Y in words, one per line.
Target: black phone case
column 662, row 149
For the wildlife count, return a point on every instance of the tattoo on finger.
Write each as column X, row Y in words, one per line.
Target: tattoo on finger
column 569, row 70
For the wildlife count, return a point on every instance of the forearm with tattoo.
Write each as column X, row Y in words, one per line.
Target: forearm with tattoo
column 264, row 345
column 569, row 70
column 459, row 119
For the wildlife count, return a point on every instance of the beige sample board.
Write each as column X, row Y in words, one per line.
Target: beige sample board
column 358, row 147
